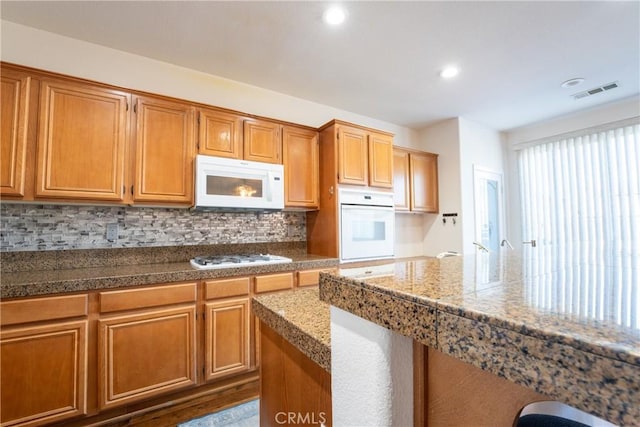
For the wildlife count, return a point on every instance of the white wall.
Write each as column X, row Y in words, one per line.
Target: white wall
column 483, row 147
column 48, row 51
column 602, row 114
column 443, row 138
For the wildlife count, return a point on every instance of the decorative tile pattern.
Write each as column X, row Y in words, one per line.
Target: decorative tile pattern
column 302, row 319
column 26, row 227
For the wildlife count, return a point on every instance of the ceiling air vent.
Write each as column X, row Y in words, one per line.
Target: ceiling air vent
column 596, row 90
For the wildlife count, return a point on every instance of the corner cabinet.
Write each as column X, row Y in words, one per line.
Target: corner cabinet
column 415, row 181
column 43, row 355
column 164, row 151
column 16, row 110
column 146, row 343
column 300, row 158
column 82, row 139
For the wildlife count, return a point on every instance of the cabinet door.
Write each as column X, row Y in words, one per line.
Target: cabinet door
column 401, row 188
column 424, row 182
column 82, row 133
column 352, row 156
column 226, row 337
column 301, row 167
column 44, row 373
column 380, row 160
column 262, row 142
column 165, row 146
column 15, row 114
column 220, row 134
column 146, row 354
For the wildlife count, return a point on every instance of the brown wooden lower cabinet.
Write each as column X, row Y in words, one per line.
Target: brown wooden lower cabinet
column 226, row 337
column 294, row 390
column 453, row 393
column 447, row 392
column 43, row 366
column 114, row 355
column 147, row 354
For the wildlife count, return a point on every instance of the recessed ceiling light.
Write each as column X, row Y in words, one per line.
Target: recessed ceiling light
column 449, row 72
column 572, row 82
column 335, row 15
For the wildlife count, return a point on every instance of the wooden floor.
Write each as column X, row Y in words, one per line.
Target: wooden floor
column 176, row 411
column 193, row 409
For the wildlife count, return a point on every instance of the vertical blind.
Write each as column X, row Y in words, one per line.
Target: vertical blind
column 580, row 200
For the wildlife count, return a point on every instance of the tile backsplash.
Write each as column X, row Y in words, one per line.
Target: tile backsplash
column 25, row 227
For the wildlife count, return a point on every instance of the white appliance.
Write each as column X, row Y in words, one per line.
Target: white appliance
column 238, row 184
column 367, row 222
column 229, row 261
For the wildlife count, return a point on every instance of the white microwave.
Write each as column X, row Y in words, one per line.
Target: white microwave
column 231, row 184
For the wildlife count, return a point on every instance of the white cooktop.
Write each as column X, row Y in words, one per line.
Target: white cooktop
column 230, row 261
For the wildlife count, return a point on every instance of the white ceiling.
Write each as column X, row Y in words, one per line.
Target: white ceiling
column 385, row 59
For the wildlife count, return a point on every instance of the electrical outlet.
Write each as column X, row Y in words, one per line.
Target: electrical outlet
column 112, row 232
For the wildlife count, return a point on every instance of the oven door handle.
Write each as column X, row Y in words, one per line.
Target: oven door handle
column 359, row 207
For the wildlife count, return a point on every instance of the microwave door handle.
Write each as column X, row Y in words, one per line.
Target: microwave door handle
column 269, row 184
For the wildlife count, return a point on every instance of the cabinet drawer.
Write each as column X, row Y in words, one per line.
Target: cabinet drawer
column 226, row 288
column 147, row 297
column 37, row 309
column 308, row 277
column 274, row 282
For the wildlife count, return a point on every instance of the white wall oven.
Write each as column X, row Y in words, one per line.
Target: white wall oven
column 367, row 222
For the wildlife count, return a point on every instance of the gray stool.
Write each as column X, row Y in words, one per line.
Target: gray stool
column 556, row 414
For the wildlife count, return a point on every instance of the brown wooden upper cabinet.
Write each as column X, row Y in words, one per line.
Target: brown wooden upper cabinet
column 16, row 88
column 364, row 157
column 415, row 181
column 220, row 133
column 401, row 185
column 165, row 145
column 82, row 138
column 262, row 141
column 65, row 139
column 231, row 135
column 301, row 164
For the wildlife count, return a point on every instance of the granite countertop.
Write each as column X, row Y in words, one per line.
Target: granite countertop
column 301, row 318
column 32, row 274
column 573, row 337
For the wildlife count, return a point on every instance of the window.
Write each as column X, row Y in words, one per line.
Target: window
column 581, row 203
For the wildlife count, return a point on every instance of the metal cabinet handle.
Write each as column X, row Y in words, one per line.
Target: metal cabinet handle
column 531, row 242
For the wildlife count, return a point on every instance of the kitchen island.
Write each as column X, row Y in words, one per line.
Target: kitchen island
column 560, row 336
